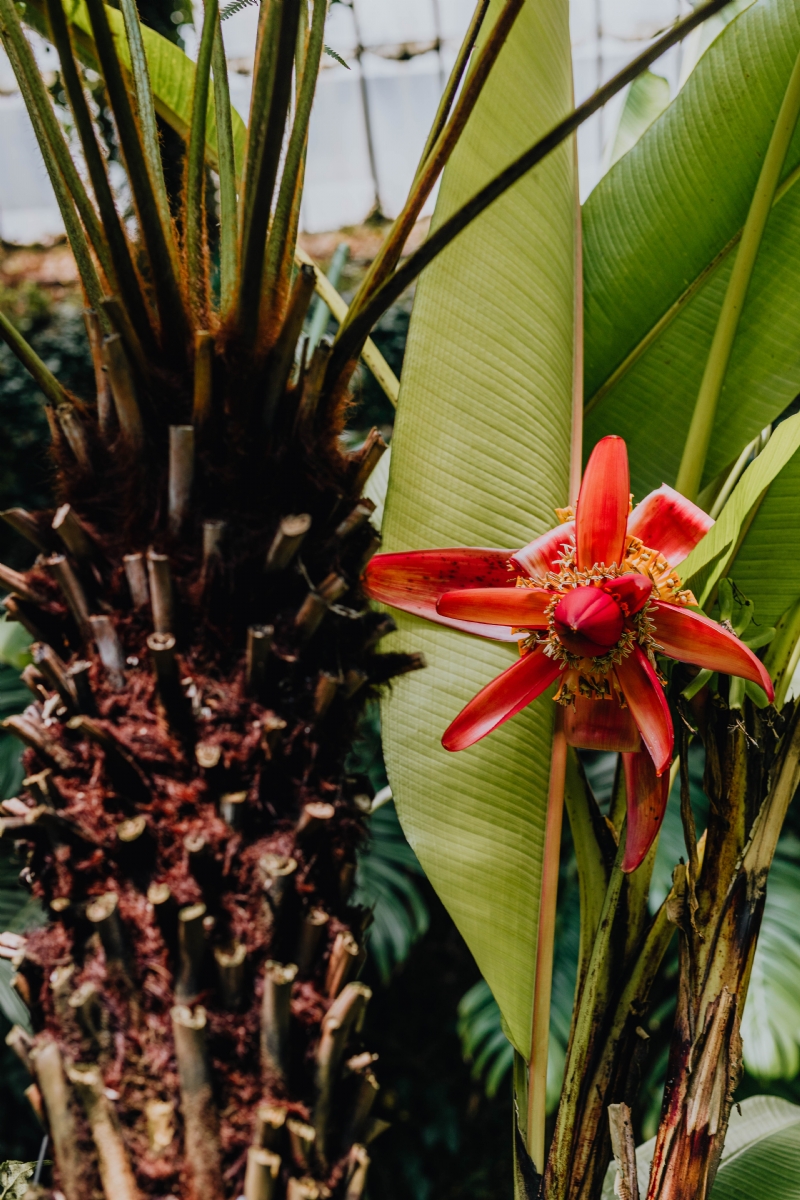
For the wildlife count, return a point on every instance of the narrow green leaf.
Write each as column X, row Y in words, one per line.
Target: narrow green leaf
column 767, row 548
column 146, row 112
column 226, row 165
column 656, row 275
column 194, row 236
column 481, row 457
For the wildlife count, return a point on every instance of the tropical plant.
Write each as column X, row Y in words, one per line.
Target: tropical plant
column 199, row 674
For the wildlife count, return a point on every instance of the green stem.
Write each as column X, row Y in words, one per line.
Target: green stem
column 389, row 253
column 277, row 246
column 590, row 1007
column 127, row 278
column 228, row 217
column 196, row 163
column 594, row 849
column 453, row 83
column 695, row 451
column 45, row 378
column 145, row 108
column 545, row 941
column 272, row 89
column 174, row 323
column 349, row 342
column 25, row 66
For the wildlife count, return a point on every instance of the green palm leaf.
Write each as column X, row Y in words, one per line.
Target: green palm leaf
column 650, row 320
column 480, row 457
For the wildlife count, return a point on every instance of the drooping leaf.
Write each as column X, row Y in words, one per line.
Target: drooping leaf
column 713, row 556
column 647, row 332
column 480, row 457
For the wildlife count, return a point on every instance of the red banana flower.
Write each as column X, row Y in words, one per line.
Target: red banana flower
column 590, row 604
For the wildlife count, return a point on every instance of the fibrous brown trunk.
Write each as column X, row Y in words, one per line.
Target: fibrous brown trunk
column 187, row 820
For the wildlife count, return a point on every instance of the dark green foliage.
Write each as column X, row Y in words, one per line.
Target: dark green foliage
column 56, row 332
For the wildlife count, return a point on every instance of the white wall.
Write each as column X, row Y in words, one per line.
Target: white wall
column 370, row 121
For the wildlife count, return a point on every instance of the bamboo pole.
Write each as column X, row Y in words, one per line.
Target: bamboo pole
column 116, row 1174
column 52, row 1080
column 275, row 1016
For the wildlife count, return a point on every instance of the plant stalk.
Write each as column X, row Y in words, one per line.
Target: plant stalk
column 228, row 215
column 196, row 164
column 698, row 438
column 543, row 985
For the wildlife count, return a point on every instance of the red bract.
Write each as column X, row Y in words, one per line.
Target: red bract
column 590, row 603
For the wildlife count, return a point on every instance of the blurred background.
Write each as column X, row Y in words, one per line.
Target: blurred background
column 444, row 1064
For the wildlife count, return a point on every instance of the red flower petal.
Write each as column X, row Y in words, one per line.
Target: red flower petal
column 601, row 725
column 414, row 582
column 542, row 554
column 646, row 700
column 588, row 621
column 603, row 503
column 666, row 521
column 693, row 638
column 504, row 697
column 647, row 799
column 631, row 592
column 497, row 606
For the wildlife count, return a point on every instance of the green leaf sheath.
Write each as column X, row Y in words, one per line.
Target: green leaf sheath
column 481, row 457
column 226, row 165
column 119, row 250
column 698, row 438
column 174, row 324
column 145, row 108
column 295, row 152
column 194, row 240
column 650, row 320
column 44, row 377
column 272, row 79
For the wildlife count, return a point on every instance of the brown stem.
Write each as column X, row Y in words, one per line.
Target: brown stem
column 56, row 672
column 311, row 931
column 287, row 541
column 123, row 389
column 74, row 433
column 32, row 527
column 79, row 674
column 275, row 1015
column 367, row 458
column 192, row 952
column 12, row 581
column 21, row 1042
column 357, row 1168
column 69, row 528
column 358, row 516
column 203, row 378
column 109, row 647
column 344, row 1017
column 136, row 575
column 181, row 476
column 344, row 962
column 34, row 735
column 301, row 1141
column 103, row 914
column 325, row 692
column 231, row 808
column 315, row 815
column 106, row 417
column 259, row 645
column 270, row 1122
column 160, row 579
column 261, row 1176
column 115, row 1168
column 201, row 1120
column 231, row 971
column 61, row 570
column 52, row 1080
column 624, row 1150
column 309, row 615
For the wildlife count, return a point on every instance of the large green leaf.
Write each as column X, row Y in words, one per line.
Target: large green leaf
column 658, row 221
column 480, row 457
